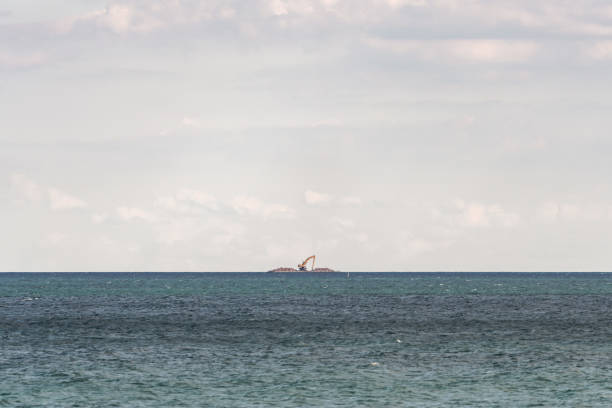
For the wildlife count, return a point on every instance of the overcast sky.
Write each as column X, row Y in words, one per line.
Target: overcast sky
column 380, row 135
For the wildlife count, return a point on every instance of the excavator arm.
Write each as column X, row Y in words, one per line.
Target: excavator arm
column 302, row 266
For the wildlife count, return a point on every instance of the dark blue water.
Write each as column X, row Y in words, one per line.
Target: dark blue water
column 320, row 340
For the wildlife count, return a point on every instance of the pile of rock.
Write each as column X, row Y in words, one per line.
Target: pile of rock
column 284, row 269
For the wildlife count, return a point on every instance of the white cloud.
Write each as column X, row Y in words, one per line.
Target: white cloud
column 600, row 50
column 548, row 212
column 278, row 7
column 227, row 232
column 120, row 18
column 54, row 239
column 134, row 213
column 546, row 16
column 178, row 229
column 247, row 205
column 26, row 187
column 214, row 234
column 342, row 223
column 408, row 245
column 32, row 191
column 402, row 3
column 361, row 237
column 475, row 215
column 197, row 197
column 351, row 200
column 126, row 16
column 315, row 198
column 188, row 201
column 480, row 215
column 473, row 50
column 63, row 201
column 9, row 60
column 99, row 218
column 191, row 122
column 572, row 212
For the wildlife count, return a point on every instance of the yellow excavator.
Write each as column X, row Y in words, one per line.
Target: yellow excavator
column 302, row 266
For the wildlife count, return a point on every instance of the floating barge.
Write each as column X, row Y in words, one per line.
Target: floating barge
column 302, row 267
column 285, row 269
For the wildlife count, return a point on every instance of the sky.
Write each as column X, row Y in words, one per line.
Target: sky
column 380, row 135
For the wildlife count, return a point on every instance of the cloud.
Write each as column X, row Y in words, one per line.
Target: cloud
column 198, row 197
column 16, row 61
column 247, row 205
column 472, row 50
column 315, row 198
column 32, row 191
column 480, row 215
column 432, row 18
column 361, row 237
column 600, row 50
column 342, row 223
column 191, row 122
column 476, row 215
column 60, row 200
column 121, row 17
column 134, row 213
column 571, row 212
column 178, row 229
column 54, row 239
column 27, row 188
column 118, row 18
column 409, row 246
column 188, row 201
column 99, row 218
column 278, row 7
column 351, row 200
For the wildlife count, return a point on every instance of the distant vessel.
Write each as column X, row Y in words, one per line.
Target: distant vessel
column 302, row 267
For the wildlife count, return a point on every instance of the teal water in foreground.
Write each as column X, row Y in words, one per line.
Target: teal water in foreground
column 298, row 340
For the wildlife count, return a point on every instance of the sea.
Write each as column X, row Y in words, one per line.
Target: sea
column 306, row 340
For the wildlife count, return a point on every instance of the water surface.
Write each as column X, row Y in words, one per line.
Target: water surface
column 295, row 340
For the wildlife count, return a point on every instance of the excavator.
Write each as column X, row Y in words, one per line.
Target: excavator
column 302, row 266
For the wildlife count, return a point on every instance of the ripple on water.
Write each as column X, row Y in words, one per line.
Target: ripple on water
column 375, row 341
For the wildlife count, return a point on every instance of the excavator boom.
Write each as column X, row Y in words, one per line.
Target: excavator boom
column 302, row 266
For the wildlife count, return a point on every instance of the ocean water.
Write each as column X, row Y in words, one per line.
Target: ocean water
column 306, row 340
